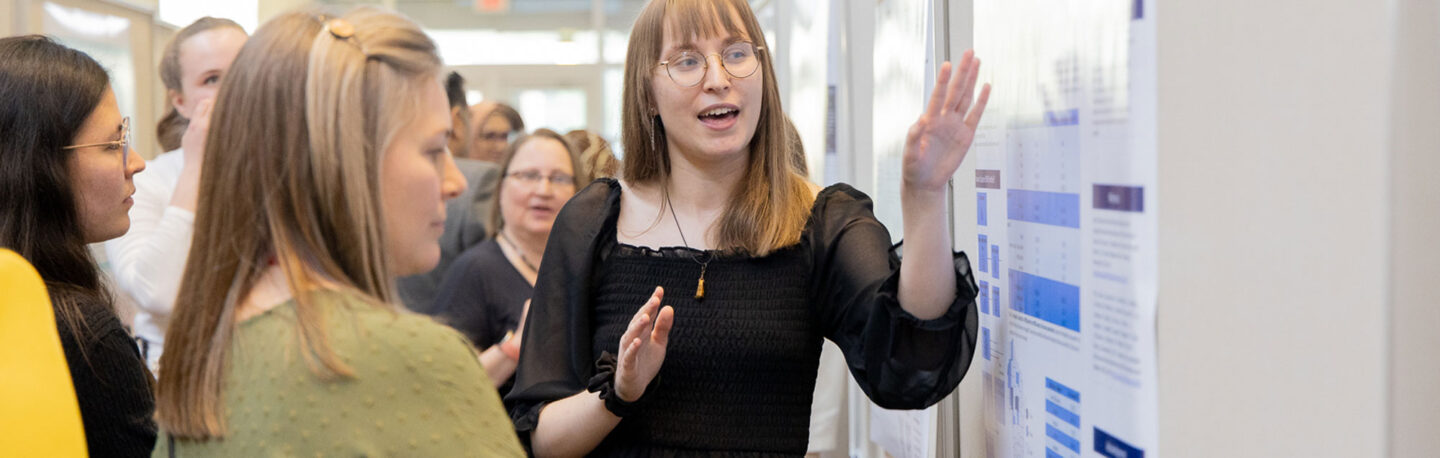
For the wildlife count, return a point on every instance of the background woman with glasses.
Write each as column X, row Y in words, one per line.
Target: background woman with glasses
column 754, row 265
column 484, row 293
column 67, row 182
column 494, row 125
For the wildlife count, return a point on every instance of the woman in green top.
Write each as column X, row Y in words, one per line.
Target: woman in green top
column 286, row 336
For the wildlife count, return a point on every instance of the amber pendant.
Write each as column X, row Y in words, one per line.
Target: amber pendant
column 700, row 285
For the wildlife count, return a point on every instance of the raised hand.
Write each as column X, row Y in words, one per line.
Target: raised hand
column 192, row 150
column 193, row 141
column 642, row 348
column 938, row 141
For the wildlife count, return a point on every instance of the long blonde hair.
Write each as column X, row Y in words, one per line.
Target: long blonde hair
column 770, row 205
column 297, row 186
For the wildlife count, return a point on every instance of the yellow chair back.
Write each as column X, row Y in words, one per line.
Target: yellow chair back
column 38, row 412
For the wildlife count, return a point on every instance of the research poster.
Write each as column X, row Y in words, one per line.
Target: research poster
column 1066, row 199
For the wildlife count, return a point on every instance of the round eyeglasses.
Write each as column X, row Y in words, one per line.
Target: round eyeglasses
column 687, row 68
column 123, row 144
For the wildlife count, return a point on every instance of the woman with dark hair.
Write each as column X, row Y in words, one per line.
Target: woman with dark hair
column 754, row 264
column 484, row 293
column 147, row 262
column 66, row 183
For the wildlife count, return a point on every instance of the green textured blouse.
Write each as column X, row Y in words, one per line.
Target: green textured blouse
column 418, row 390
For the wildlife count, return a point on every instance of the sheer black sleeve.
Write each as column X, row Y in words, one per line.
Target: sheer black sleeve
column 900, row 361
column 556, row 360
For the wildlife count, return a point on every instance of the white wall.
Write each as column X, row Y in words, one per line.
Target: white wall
column 1273, row 143
column 1299, row 212
column 1415, row 224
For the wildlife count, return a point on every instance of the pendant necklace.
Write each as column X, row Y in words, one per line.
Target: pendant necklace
column 699, row 286
column 519, row 253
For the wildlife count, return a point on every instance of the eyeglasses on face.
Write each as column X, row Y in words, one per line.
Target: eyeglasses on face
column 122, row 145
column 504, row 136
column 687, row 68
column 533, row 177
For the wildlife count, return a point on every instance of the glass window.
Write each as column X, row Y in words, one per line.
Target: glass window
column 183, row 12
column 557, row 109
column 493, row 47
column 105, row 38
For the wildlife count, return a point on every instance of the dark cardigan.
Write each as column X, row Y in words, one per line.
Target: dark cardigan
column 112, row 385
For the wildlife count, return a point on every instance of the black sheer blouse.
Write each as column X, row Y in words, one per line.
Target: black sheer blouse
column 740, row 371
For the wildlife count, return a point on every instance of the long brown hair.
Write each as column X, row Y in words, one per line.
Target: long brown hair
column 49, row 91
column 172, row 126
column 298, row 186
column 771, row 203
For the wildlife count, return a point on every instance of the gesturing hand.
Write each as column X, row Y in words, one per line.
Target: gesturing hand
column 939, row 140
column 642, row 348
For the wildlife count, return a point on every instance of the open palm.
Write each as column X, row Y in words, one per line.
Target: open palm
column 642, row 348
column 938, row 142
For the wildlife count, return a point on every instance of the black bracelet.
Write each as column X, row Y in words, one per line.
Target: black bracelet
column 604, row 383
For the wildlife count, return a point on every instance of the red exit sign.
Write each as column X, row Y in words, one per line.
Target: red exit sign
column 492, row 6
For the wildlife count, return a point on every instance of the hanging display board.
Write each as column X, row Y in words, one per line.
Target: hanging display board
column 1065, row 192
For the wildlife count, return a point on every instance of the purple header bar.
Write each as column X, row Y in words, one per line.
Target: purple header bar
column 1120, row 198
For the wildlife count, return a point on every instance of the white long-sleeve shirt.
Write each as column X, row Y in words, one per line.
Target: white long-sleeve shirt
column 148, row 261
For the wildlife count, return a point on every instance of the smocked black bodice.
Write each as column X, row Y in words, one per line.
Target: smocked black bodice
column 739, row 373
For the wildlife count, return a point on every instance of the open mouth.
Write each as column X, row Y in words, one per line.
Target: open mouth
column 719, row 116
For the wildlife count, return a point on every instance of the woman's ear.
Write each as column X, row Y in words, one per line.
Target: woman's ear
column 177, row 101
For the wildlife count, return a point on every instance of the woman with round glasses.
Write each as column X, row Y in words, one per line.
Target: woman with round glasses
column 754, row 266
column 484, row 293
column 67, row 181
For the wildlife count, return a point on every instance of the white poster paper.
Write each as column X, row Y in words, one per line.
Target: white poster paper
column 1065, row 189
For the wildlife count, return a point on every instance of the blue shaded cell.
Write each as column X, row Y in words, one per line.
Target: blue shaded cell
column 1063, row 439
column 995, row 261
column 980, row 209
column 1043, row 207
column 985, row 298
column 1052, row 301
column 995, row 298
column 984, row 254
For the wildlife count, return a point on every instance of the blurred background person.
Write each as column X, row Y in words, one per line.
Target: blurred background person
column 596, row 158
column 495, row 125
column 67, row 182
column 484, row 293
column 467, row 217
column 462, row 134
column 332, row 183
column 146, row 262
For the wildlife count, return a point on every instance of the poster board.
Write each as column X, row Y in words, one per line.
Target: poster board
column 1065, row 199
